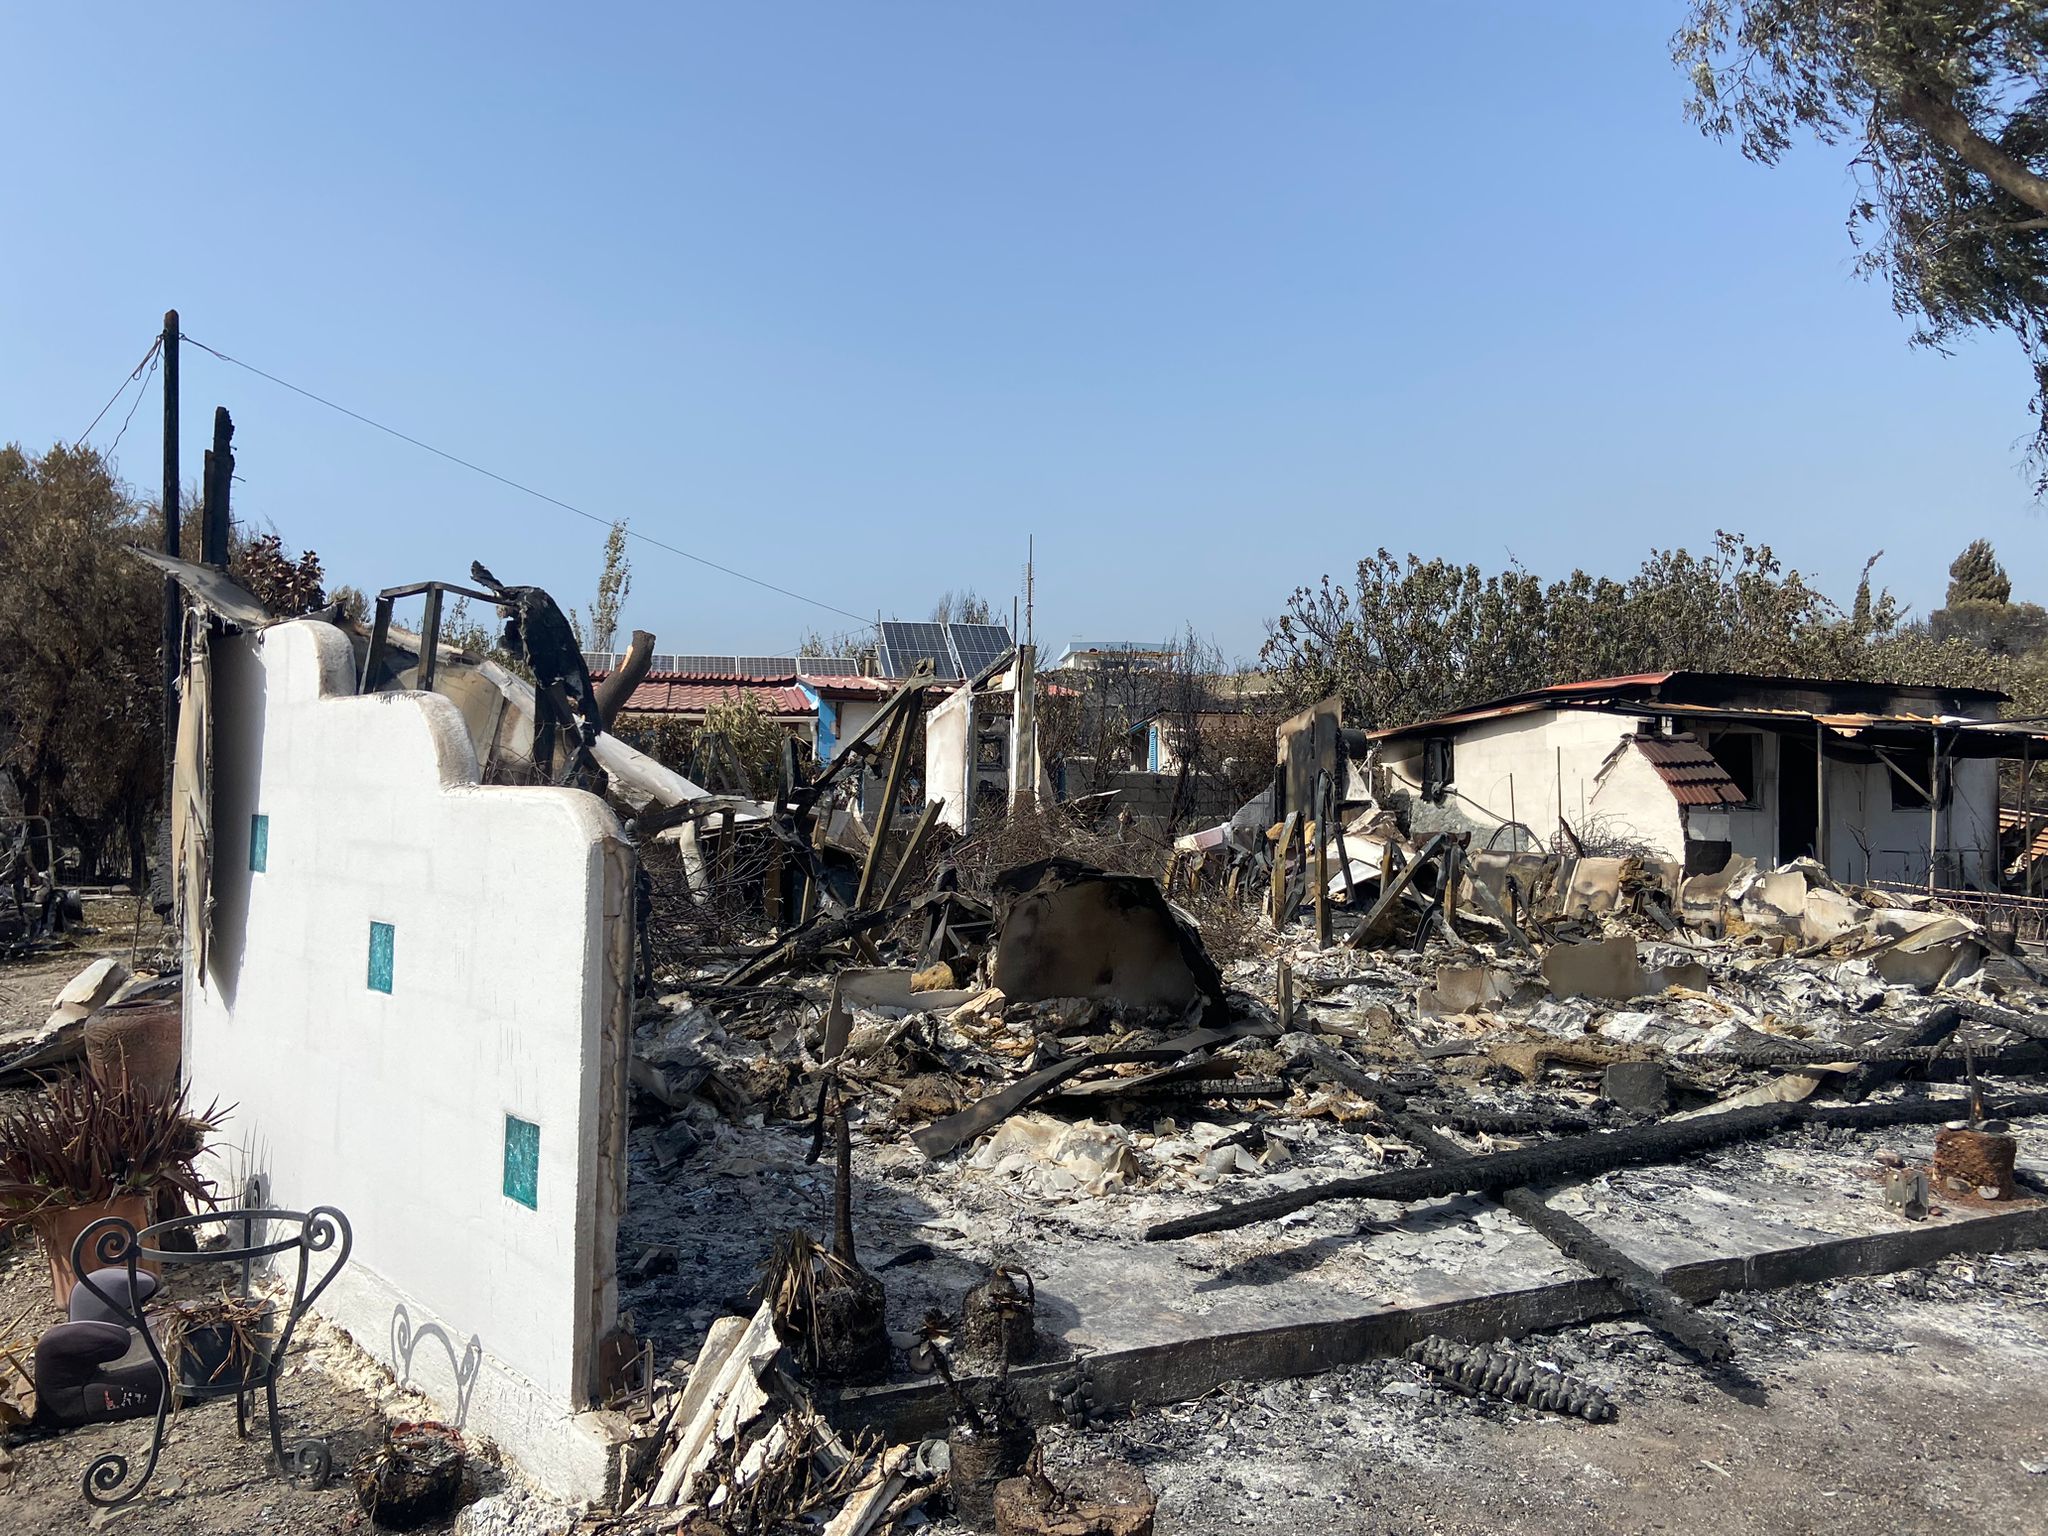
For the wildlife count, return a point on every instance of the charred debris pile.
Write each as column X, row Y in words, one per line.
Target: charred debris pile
column 893, row 1095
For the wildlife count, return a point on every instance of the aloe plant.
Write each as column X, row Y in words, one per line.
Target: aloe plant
column 82, row 1142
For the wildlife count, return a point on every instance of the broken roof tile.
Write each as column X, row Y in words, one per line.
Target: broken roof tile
column 1690, row 770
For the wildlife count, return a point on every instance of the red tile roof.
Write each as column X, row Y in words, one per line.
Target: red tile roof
column 845, row 687
column 691, row 693
column 1690, row 771
column 2010, row 817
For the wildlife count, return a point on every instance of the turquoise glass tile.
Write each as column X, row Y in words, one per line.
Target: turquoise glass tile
column 522, row 1162
column 259, row 843
column 381, row 938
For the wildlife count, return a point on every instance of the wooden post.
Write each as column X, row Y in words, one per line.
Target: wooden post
column 1277, row 896
column 1820, row 794
column 910, row 851
column 726, row 851
column 1319, row 866
column 220, row 475
column 809, row 909
column 1933, row 801
column 899, row 763
column 2027, row 810
column 1284, row 1001
column 771, row 889
column 1024, row 730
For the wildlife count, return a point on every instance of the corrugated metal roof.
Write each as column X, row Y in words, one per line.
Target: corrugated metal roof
column 1644, row 693
column 1690, row 771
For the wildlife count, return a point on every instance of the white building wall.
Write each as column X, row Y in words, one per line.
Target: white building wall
column 509, row 996
column 1526, row 767
column 1523, row 765
column 1633, row 801
column 1870, row 840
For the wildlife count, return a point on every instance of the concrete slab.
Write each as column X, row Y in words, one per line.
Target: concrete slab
column 1150, row 1323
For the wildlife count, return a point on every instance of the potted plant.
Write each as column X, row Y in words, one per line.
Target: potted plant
column 218, row 1344
column 83, row 1150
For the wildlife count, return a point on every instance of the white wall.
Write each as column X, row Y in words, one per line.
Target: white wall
column 510, row 995
column 1869, row 840
column 1513, row 768
column 1633, row 801
column 946, row 732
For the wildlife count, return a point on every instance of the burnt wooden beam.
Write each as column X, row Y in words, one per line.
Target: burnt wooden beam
column 1581, row 1156
column 1573, row 1238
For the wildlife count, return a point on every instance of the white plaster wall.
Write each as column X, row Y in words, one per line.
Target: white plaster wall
column 507, row 998
column 1869, row 840
column 1633, row 801
column 945, row 757
column 1513, row 768
column 1753, row 829
column 1517, row 761
column 854, row 717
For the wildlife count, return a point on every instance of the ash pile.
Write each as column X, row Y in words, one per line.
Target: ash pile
column 893, row 1158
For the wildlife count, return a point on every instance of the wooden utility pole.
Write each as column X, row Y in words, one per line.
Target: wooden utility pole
column 220, row 473
column 174, row 607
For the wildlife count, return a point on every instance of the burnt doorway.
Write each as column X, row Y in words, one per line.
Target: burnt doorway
column 1798, row 800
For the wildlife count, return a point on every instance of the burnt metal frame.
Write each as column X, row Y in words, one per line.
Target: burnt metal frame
column 430, row 629
column 117, row 1244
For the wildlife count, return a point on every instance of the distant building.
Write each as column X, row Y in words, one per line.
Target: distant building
column 1146, row 655
column 1881, row 783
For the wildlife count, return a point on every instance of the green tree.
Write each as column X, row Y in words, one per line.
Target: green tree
column 81, row 645
column 1412, row 639
column 613, row 583
column 1976, row 576
column 1946, row 105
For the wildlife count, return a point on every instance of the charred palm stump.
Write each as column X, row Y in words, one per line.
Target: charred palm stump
column 826, row 1307
column 1483, row 1372
column 988, row 1440
column 998, row 1326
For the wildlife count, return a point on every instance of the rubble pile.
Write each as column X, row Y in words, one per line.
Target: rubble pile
column 1054, row 1071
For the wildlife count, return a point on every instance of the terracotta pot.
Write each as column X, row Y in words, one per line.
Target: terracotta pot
column 140, row 1041
column 59, row 1228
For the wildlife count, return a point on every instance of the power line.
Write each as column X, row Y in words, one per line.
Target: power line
column 148, row 358
column 491, row 474
column 141, row 394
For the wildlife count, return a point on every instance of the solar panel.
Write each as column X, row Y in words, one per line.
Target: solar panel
column 765, row 666
column 828, row 666
column 600, row 661
column 979, row 645
column 905, row 645
column 719, row 665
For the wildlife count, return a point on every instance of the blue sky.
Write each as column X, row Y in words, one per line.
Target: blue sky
column 1210, row 299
